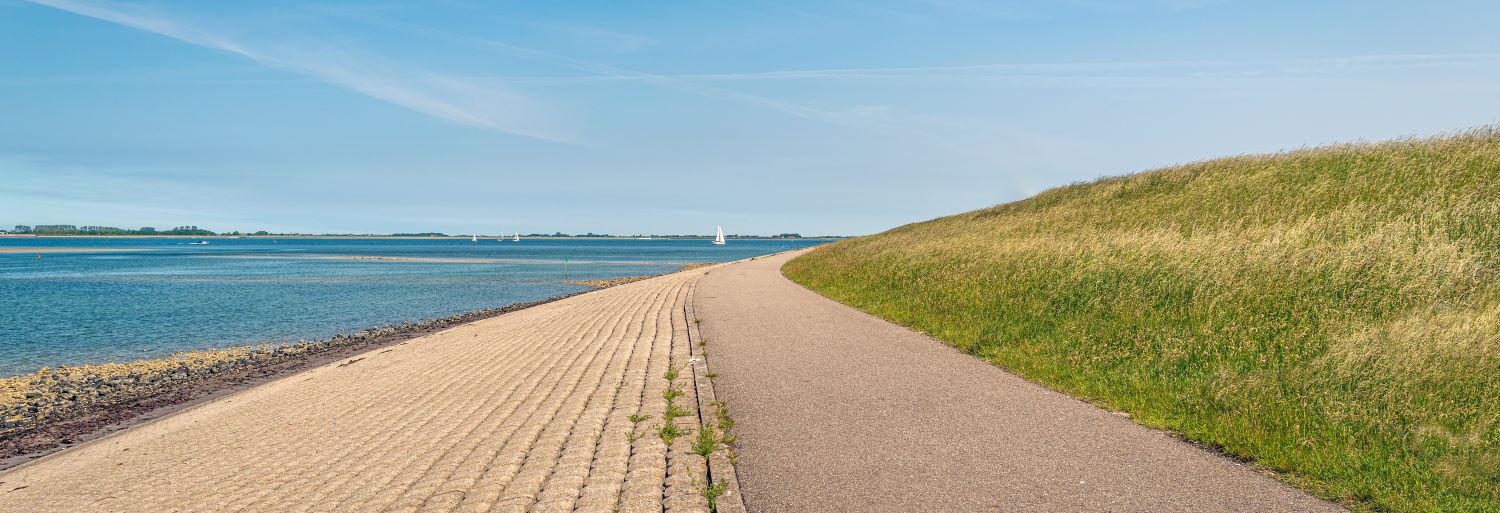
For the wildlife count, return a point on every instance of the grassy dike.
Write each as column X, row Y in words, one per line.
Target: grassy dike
column 1332, row 313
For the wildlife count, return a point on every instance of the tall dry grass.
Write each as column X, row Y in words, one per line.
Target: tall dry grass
column 1333, row 312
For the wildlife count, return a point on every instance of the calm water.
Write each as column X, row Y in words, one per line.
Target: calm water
column 73, row 308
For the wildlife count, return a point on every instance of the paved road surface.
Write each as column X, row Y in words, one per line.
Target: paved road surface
column 839, row 411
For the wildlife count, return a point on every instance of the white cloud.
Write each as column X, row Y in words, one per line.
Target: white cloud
column 449, row 98
column 609, row 72
column 1158, row 69
column 613, row 41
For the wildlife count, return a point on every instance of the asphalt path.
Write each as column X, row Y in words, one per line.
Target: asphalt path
column 837, row 410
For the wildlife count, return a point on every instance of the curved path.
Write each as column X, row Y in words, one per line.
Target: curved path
column 528, row 411
column 840, row 411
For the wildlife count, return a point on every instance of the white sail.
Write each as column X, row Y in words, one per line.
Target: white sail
column 719, row 237
column 473, row 238
column 518, row 237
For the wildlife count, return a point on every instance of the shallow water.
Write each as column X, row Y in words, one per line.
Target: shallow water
column 74, row 308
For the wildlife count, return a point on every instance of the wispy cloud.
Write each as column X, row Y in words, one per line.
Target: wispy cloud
column 1160, row 69
column 610, row 72
column 613, row 41
column 31, row 187
column 1162, row 73
column 446, row 97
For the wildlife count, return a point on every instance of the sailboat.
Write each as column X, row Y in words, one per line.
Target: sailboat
column 719, row 238
column 473, row 238
column 518, row 237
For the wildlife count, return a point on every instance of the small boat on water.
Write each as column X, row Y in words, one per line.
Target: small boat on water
column 199, row 243
column 719, row 238
column 518, row 237
column 473, row 238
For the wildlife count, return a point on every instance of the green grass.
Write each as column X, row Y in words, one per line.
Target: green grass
column 670, row 432
column 1332, row 313
column 712, row 493
column 707, row 441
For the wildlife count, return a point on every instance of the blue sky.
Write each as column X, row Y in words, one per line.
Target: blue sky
column 633, row 117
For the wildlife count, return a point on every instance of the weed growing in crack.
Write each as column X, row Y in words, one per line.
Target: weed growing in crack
column 637, row 418
column 707, row 441
column 721, row 412
column 675, row 411
column 723, row 423
column 712, row 493
column 670, row 432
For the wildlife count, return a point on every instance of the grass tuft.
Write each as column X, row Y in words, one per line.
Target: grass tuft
column 707, row 440
column 669, row 432
column 712, row 493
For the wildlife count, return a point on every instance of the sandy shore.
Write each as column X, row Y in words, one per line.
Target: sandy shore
column 558, row 407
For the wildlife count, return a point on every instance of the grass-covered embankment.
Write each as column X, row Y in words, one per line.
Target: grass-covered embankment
column 1333, row 313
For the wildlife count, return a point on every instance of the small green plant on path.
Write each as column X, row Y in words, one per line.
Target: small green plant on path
column 637, row 418
column 707, row 441
column 669, row 432
column 674, row 411
column 712, row 493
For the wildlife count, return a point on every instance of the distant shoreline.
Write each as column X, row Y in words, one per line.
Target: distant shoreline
column 68, row 250
column 410, row 237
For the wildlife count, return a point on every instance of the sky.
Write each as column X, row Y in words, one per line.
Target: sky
column 809, row 116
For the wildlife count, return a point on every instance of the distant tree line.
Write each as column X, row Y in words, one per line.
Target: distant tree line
column 68, row 229
column 659, row 236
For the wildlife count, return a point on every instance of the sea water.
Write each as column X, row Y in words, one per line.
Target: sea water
column 150, row 297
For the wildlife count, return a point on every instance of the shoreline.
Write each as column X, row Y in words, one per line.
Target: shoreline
column 403, row 237
column 54, row 408
column 637, row 405
column 57, row 407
